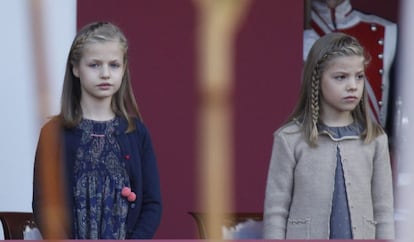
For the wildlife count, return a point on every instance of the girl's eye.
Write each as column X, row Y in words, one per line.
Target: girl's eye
column 340, row 77
column 361, row 77
column 115, row 65
column 93, row 65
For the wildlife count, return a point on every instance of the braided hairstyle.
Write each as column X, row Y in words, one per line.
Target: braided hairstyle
column 307, row 110
column 123, row 102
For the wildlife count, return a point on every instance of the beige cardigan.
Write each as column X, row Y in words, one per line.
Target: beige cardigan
column 300, row 186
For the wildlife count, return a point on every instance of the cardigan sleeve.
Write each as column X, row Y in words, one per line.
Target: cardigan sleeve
column 382, row 192
column 278, row 189
column 151, row 209
column 49, row 200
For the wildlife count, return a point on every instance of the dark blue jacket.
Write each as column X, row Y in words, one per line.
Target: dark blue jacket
column 144, row 213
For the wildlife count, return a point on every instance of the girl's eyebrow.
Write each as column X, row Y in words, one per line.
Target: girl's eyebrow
column 100, row 60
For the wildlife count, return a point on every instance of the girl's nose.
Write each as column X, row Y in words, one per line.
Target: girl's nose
column 105, row 72
column 352, row 85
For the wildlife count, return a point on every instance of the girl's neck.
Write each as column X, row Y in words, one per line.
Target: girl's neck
column 337, row 120
column 99, row 111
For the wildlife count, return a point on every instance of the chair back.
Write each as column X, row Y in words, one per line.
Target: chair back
column 14, row 223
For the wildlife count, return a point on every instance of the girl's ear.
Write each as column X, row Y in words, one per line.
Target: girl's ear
column 75, row 71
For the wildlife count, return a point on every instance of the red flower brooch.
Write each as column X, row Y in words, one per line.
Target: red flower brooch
column 126, row 192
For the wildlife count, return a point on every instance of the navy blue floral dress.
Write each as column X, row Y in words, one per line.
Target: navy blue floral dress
column 100, row 211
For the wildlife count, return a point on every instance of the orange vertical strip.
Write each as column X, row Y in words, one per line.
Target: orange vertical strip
column 39, row 55
column 218, row 22
column 54, row 214
column 53, row 201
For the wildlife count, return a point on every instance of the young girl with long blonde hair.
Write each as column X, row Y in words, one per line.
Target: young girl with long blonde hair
column 330, row 175
column 106, row 160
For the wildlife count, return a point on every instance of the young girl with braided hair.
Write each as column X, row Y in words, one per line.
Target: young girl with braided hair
column 330, row 175
column 104, row 160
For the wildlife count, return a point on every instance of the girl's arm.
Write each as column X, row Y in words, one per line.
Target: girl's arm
column 151, row 210
column 49, row 202
column 37, row 202
column 382, row 194
column 278, row 189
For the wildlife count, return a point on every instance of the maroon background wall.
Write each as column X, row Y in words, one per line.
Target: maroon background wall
column 268, row 73
column 163, row 67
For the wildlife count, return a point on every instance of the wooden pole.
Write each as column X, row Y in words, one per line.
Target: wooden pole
column 54, row 217
column 218, row 22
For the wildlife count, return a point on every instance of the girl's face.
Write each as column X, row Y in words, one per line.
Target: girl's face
column 342, row 85
column 100, row 70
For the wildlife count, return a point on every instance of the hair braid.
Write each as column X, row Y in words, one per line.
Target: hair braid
column 315, row 85
column 84, row 36
column 315, row 102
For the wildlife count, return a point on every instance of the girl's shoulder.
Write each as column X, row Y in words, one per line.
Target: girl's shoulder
column 52, row 124
column 50, row 131
column 291, row 127
column 382, row 138
column 290, row 132
column 139, row 124
column 140, row 127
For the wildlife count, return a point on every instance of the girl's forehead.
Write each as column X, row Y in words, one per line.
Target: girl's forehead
column 103, row 48
column 347, row 58
column 352, row 61
column 102, row 45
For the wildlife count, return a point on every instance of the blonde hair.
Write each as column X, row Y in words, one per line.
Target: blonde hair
column 307, row 110
column 123, row 102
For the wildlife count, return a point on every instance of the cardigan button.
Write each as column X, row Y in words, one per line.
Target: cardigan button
column 132, row 205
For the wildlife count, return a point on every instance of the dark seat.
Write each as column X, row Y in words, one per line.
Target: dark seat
column 229, row 220
column 14, row 224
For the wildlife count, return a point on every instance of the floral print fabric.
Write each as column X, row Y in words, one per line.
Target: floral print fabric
column 100, row 210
